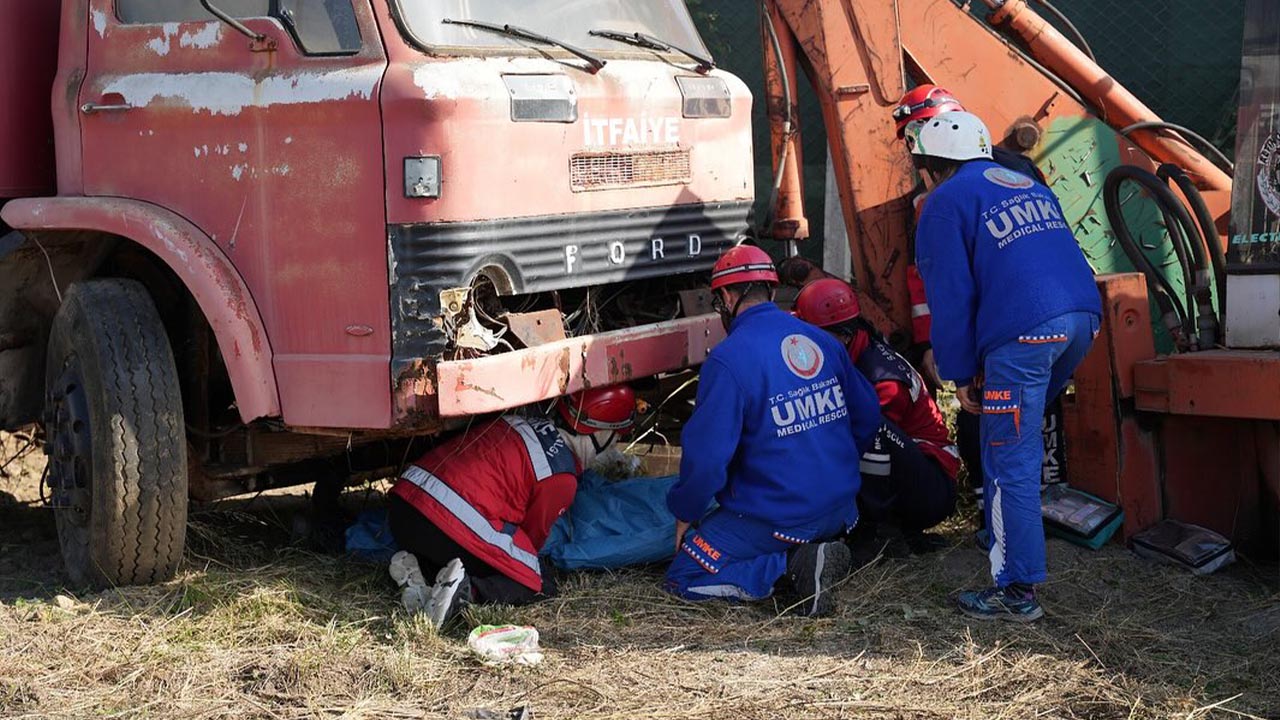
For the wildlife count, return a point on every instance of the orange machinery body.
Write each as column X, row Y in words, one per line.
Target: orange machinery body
column 1193, row 437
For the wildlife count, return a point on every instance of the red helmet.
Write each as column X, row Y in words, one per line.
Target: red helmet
column 922, row 103
column 743, row 264
column 827, row 302
column 610, row 407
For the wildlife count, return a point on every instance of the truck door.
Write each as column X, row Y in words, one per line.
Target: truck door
column 272, row 146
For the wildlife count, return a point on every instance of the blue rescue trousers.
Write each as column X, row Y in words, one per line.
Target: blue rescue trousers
column 735, row 557
column 1020, row 378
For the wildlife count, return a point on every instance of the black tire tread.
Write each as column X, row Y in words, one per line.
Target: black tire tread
column 139, row 445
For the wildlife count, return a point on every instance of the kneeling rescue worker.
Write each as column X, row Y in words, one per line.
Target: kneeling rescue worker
column 780, row 414
column 1015, row 310
column 475, row 510
column 909, row 473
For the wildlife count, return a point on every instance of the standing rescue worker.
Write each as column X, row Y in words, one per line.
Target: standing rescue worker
column 1016, row 309
column 910, row 471
column 916, row 106
column 475, row 510
column 780, row 422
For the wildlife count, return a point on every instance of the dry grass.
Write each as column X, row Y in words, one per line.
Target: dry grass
column 252, row 628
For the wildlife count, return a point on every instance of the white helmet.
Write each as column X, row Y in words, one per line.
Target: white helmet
column 953, row 136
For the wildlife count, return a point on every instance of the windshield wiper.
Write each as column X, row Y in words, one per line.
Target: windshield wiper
column 519, row 32
column 639, row 39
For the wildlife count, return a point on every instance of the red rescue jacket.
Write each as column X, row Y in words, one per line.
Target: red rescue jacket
column 496, row 490
column 904, row 399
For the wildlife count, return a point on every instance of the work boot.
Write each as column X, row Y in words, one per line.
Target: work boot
column 864, row 545
column 814, row 568
column 924, row 543
column 1015, row 603
column 450, row 595
column 414, row 591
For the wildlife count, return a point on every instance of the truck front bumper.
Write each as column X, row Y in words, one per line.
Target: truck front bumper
column 499, row 382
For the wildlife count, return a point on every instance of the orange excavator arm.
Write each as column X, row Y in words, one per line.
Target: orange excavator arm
column 1037, row 92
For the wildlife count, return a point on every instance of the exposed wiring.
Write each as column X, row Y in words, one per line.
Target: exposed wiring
column 1223, row 161
column 49, row 261
column 657, row 411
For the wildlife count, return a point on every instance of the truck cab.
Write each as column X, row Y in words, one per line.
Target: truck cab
column 350, row 222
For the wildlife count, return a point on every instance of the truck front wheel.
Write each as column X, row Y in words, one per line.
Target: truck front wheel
column 115, row 437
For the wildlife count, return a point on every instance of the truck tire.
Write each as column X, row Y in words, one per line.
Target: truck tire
column 115, row 437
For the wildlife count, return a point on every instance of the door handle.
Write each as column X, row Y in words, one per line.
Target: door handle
column 90, row 108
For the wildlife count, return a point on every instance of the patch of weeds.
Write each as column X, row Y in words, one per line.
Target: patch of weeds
column 413, row 632
column 493, row 615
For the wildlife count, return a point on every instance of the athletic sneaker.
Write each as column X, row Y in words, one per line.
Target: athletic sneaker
column 1007, row 603
column 450, row 594
column 414, row 591
column 814, row 568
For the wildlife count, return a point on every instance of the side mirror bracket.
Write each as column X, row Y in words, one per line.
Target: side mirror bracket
column 260, row 42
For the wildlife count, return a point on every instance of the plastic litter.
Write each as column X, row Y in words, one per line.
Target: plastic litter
column 502, row 644
column 1197, row 549
column 1079, row 517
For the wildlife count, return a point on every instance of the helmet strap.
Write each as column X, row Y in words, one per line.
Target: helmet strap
column 602, row 446
column 586, row 447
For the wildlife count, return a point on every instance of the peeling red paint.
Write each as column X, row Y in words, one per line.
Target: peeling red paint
column 207, row 274
column 497, row 382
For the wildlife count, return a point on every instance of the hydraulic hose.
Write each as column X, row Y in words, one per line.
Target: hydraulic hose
column 1180, row 251
column 1172, row 312
column 788, row 124
column 1076, row 36
column 1223, row 160
column 1208, row 231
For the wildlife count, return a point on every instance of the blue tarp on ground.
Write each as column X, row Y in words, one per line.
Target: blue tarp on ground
column 610, row 525
column 369, row 538
column 614, row 524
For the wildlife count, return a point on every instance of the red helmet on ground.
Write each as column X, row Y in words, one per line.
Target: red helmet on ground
column 743, row 264
column 922, row 103
column 827, row 302
column 611, row 407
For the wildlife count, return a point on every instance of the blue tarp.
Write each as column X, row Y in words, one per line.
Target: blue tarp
column 369, row 538
column 610, row 525
column 614, row 524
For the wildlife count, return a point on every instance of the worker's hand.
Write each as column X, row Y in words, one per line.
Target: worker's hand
column 930, row 367
column 681, row 528
column 970, row 398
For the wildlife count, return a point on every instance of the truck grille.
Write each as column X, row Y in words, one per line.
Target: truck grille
column 603, row 170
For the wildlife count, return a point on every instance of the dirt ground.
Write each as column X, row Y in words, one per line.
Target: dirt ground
column 255, row 628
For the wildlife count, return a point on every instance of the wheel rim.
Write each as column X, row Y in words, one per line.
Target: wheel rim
column 69, row 445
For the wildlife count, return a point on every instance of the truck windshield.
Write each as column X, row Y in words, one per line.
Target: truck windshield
column 569, row 21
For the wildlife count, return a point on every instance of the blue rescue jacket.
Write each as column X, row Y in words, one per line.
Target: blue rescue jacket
column 998, row 259
column 781, row 420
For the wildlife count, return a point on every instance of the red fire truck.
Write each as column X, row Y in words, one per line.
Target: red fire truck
column 244, row 234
